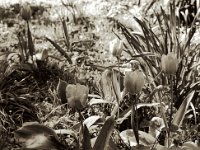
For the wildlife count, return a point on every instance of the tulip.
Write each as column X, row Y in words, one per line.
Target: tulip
column 134, row 81
column 169, row 63
column 116, row 47
column 26, row 12
column 77, row 96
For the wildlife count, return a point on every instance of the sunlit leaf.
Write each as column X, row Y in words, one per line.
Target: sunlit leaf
column 91, row 120
column 95, row 101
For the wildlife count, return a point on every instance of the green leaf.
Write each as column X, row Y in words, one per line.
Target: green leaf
column 102, row 140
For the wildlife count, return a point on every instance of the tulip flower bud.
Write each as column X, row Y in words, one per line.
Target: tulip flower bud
column 77, row 95
column 169, row 63
column 116, row 47
column 134, row 81
column 26, row 12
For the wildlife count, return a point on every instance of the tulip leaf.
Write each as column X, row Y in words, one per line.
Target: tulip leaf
column 66, row 35
column 129, row 138
column 95, row 101
column 91, row 120
column 23, row 47
column 66, row 132
column 134, row 123
column 194, row 112
column 60, row 49
column 86, row 139
column 102, row 140
column 180, row 114
column 30, row 42
column 192, row 145
column 36, row 136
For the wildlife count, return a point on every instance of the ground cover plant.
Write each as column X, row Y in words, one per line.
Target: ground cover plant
column 78, row 82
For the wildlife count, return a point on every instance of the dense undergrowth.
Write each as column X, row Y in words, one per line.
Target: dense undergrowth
column 156, row 106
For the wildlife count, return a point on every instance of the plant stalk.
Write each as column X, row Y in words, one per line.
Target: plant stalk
column 134, row 119
column 171, row 108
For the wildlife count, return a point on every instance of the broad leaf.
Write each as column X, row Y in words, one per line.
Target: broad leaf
column 86, row 139
column 95, row 101
column 180, row 114
column 91, row 120
column 102, row 140
column 129, row 138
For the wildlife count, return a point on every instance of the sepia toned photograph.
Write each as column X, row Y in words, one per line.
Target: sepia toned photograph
column 99, row 74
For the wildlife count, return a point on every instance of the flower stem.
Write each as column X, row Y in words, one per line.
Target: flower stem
column 81, row 127
column 134, row 118
column 171, row 108
column 118, row 101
